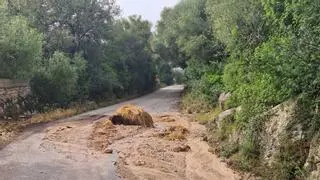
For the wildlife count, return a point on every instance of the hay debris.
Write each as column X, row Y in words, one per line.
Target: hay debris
column 174, row 133
column 132, row 115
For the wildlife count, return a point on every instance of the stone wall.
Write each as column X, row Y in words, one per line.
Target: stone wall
column 11, row 89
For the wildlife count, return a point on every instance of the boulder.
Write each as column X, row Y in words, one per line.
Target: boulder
column 225, row 115
column 312, row 165
column 222, row 99
column 280, row 122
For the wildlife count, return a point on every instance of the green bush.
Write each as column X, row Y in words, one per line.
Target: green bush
column 55, row 84
column 20, row 48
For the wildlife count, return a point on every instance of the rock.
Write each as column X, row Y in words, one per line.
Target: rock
column 181, row 148
column 223, row 98
column 226, row 115
column 108, row 151
column 280, row 122
column 312, row 165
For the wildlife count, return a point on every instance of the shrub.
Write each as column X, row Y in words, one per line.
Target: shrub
column 20, row 48
column 55, row 84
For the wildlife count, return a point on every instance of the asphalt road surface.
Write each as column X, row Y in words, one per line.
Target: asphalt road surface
column 31, row 158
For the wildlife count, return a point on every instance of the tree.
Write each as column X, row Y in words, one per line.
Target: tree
column 131, row 55
column 166, row 75
column 74, row 27
column 56, row 83
column 20, row 48
column 185, row 38
column 178, row 75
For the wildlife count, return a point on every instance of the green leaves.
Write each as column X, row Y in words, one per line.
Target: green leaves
column 56, row 82
column 20, row 48
column 130, row 54
column 263, row 52
column 185, row 38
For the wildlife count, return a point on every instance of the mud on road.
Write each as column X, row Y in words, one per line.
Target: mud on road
column 77, row 148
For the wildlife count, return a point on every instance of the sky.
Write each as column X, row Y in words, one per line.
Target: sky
column 148, row 9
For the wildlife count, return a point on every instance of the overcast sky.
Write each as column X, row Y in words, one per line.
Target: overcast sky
column 148, row 9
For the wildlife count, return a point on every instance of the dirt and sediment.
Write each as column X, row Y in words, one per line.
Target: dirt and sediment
column 88, row 146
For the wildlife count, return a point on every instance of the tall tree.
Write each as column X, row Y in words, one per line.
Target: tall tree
column 20, row 48
column 131, row 54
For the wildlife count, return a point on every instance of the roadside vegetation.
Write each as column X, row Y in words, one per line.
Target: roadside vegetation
column 262, row 52
column 76, row 56
column 75, row 52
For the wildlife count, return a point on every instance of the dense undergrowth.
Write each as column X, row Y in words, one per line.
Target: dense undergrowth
column 262, row 52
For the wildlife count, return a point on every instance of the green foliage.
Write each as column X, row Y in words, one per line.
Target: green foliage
column 205, row 91
column 239, row 24
column 178, row 75
column 290, row 161
column 166, row 75
column 228, row 149
column 130, row 56
column 55, row 84
column 20, row 48
column 193, row 103
column 262, row 52
column 82, row 52
column 184, row 38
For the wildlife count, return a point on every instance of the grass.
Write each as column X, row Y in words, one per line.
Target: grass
column 204, row 118
column 192, row 104
column 53, row 115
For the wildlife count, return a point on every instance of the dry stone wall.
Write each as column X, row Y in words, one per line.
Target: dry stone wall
column 11, row 90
